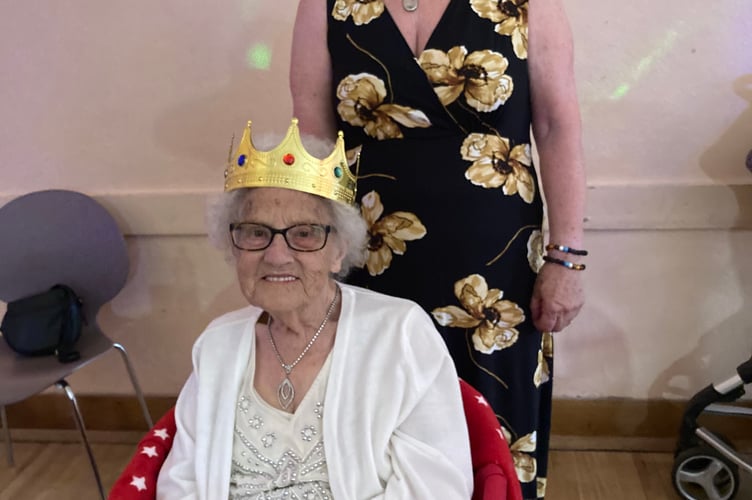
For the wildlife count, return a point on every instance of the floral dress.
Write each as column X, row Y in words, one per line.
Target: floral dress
column 448, row 188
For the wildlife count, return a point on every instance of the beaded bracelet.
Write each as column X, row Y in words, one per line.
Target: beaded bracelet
column 566, row 249
column 565, row 263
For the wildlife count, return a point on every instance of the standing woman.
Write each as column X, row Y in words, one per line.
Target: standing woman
column 441, row 95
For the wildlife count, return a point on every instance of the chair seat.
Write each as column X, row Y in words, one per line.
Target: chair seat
column 21, row 376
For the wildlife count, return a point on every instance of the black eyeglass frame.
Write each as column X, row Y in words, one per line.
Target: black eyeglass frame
column 274, row 231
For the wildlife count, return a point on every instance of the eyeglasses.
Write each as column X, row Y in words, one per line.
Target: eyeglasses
column 253, row 237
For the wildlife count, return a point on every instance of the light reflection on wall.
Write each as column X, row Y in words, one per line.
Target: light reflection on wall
column 259, row 56
column 646, row 63
column 255, row 13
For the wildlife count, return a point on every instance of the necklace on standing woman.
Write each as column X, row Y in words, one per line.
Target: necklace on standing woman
column 410, row 5
column 286, row 391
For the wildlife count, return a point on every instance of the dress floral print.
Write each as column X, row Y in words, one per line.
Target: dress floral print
column 362, row 104
column 510, row 17
column 387, row 235
column 362, row 11
column 495, row 164
column 492, row 318
column 479, row 76
column 535, row 252
column 524, row 462
column 450, row 194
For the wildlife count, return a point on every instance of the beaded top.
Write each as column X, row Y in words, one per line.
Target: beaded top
column 278, row 454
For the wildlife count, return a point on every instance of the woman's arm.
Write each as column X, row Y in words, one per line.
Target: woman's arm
column 311, row 71
column 558, row 294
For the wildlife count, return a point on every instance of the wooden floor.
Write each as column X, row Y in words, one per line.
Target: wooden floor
column 60, row 471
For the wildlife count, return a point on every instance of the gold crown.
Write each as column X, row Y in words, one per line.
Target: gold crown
column 290, row 166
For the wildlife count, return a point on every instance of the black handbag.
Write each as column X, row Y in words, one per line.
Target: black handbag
column 45, row 324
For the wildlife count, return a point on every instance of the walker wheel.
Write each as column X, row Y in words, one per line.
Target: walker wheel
column 702, row 473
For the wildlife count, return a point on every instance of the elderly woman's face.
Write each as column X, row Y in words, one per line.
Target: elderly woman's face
column 279, row 278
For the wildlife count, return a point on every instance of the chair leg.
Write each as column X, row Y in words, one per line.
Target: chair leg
column 134, row 382
column 62, row 384
column 8, row 442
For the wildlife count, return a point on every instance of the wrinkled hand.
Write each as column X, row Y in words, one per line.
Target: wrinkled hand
column 557, row 297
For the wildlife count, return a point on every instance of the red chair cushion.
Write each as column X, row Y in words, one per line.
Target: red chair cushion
column 490, row 483
column 493, row 465
column 139, row 479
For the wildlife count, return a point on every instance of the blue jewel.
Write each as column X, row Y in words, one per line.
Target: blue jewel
column 337, row 172
column 241, row 160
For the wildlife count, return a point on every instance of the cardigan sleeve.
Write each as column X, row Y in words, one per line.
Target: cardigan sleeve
column 429, row 450
column 394, row 425
column 177, row 478
column 198, row 466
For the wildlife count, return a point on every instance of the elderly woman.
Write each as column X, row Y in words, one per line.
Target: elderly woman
column 317, row 389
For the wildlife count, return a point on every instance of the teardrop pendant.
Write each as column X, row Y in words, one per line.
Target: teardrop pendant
column 285, row 393
column 410, row 5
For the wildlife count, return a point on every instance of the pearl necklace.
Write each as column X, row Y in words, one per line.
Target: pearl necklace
column 410, row 5
column 286, row 391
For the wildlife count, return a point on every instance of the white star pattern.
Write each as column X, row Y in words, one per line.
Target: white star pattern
column 150, row 451
column 481, row 400
column 162, row 433
column 139, row 482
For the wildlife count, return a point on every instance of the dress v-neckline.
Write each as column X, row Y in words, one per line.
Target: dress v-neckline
column 439, row 23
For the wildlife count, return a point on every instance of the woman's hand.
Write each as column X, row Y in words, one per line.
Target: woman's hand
column 557, row 297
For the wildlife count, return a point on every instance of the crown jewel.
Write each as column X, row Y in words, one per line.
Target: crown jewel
column 290, row 166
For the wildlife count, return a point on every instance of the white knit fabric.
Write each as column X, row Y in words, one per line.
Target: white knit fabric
column 394, row 425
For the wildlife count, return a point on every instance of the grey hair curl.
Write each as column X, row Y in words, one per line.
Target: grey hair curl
column 350, row 228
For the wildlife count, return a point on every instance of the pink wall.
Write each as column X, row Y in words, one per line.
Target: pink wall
column 135, row 103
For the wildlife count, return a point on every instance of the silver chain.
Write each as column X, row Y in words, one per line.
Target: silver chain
column 288, row 368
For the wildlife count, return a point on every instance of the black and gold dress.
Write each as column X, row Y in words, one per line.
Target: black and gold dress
column 449, row 191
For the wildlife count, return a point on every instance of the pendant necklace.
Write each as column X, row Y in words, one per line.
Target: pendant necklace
column 410, row 5
column 286, row 391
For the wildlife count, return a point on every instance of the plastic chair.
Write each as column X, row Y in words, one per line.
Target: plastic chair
column 493, row 466
column 51, row 237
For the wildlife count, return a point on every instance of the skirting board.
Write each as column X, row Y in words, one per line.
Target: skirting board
column 614, row 424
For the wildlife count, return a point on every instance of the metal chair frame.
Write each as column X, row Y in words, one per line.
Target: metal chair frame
column 59, row 236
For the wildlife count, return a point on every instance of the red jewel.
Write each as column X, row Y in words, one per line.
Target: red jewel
column 289, row 159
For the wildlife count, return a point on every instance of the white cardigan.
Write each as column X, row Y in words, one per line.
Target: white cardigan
column 394, row 427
